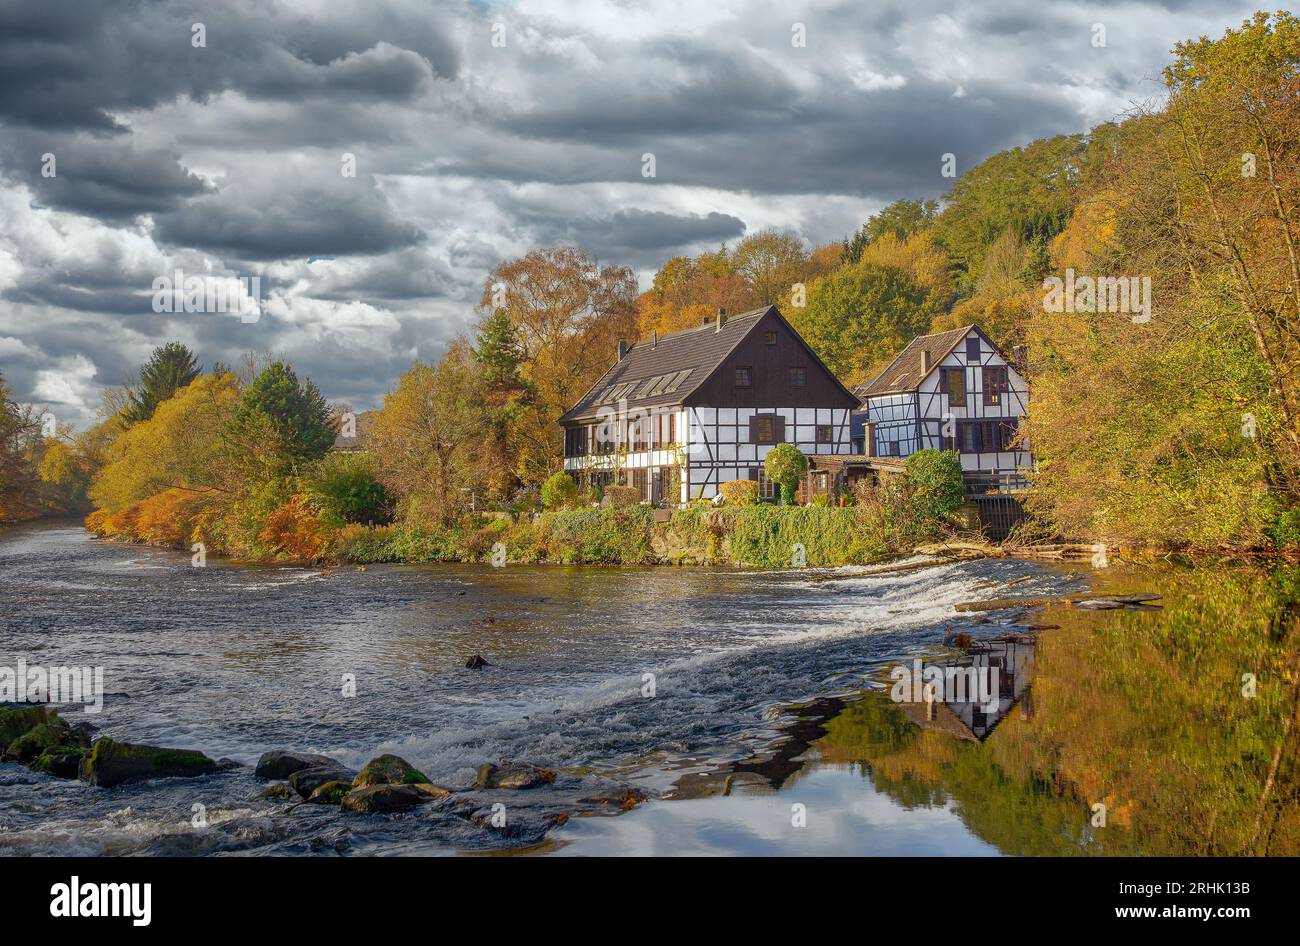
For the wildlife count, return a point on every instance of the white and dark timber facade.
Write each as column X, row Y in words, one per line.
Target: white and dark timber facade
column 679, row 414
column 950, row 391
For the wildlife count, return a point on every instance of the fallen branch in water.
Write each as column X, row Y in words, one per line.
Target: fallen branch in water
column 999, row 604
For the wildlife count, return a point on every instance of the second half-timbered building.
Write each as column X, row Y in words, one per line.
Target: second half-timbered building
column 951, row 390
column 677, row 415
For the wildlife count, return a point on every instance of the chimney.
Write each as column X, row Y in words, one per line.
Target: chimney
column 654, row 340
column 925, row 361
column 722, row 319
column 622, row 349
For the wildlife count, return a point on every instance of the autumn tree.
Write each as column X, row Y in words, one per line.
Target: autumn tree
column 19, row 431
column 568, row 313
column 425, row 437
column 179, row 447
column 861, row 316
column 901, row 220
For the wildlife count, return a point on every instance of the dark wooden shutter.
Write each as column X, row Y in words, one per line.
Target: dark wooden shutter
column 778, row 430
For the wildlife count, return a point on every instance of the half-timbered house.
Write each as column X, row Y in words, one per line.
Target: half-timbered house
column 951, row 390
column 677, row 415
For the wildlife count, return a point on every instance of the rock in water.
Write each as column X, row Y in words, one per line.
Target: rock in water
column 18, row 719
column 38, row 739
column 384, row 798
column 306, row 781
column 388, row 770
column 281, row 763
column 112, row 763
column 60, row 761
column 476, row 663
column 1097, row 604
column 512, row 775
column 331, row 793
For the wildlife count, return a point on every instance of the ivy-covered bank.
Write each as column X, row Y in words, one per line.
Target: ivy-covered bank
column 755, row 536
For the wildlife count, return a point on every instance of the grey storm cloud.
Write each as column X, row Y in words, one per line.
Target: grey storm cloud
column 647, row 236
column 225, row 159
column 264, row 222
column 67, row 63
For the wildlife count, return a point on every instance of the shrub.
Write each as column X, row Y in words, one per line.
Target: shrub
column 739, row 492
column 785, row 466
column 365, row 544
column 559, row 491
column 295, row 530
column 619, row 496
column 343, row 485
column 935, row 479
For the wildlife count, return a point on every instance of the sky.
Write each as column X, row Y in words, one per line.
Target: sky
column 141, row 139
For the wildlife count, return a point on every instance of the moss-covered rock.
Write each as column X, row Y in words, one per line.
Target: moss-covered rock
column 378, row 799
column 38, row 739
column 388, row 770
column 112, row 763
column 15, row 722
column 331, row 793
column 60, row 761
column 277, row 792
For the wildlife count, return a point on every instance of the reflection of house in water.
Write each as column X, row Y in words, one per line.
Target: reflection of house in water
column 1009, row 658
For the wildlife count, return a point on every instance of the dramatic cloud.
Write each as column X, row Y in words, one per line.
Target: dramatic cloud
column 371, row 160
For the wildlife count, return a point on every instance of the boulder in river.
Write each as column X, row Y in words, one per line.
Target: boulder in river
column 377, row 799
column 281, row 763
column 476, row 663
column 331, row 793
column 512, row 775
column 306, row 781
column 17, row 719
column 60, row 761
column 110, row 762
column 38, row 739
column 388, row 770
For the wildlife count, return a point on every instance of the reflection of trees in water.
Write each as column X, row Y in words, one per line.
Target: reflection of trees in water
column 1140, row 711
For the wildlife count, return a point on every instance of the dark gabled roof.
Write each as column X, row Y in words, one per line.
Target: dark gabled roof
column 677, row 364
column 904, row 373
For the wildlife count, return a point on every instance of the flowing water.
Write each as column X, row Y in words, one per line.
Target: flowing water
column 235, row 660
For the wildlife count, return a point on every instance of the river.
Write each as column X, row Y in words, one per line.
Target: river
column 661, row 680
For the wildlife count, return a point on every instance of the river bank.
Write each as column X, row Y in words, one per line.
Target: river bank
column 760, row 536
